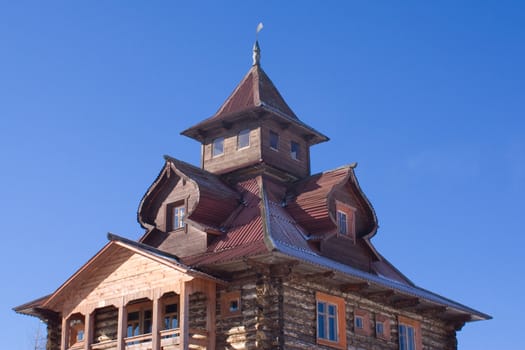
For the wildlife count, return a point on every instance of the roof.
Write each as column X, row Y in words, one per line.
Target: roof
column 255, row 95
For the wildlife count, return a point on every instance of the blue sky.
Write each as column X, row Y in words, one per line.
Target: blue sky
column 426, row 96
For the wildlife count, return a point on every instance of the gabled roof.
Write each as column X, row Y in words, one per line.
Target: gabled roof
column 255, row 96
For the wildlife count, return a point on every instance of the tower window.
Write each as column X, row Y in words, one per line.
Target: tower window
column 345, row 220
column 274, row 140
column 342, row 222
column 217, row 147
column 243, row 139
column 175, row 216
column 294, row 150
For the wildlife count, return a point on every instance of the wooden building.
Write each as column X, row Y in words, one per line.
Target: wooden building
column 249, row 251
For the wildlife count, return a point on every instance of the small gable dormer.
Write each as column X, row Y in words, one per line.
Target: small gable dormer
column 255, row 128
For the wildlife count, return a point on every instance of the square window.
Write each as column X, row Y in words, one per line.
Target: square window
column 217, row 147
column 331, row 325
column 231, row 304
column 243, row 139
column 274, row 140
column 294, row 150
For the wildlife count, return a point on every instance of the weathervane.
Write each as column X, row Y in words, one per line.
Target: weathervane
column 256, row 49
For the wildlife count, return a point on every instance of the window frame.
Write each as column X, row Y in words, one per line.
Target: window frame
column 349, row 212
column 170, row 216
column 365, row 319
column 213, row 148
column 295, row 155
column 385, row 321
column 340, row 313
column 273, row 133
column 226, row 299
column 409, row 323
column 141, row 308
column 243, row 132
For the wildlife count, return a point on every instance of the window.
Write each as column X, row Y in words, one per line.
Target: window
column 362, row 322
column 382, row 327
column 345, row 219
column 76, row 330
column 171, row 316
column 243, row 139
column 231, row 304
column 217, row 147
column 294, row 150
column 178, row 217
column 342, row 223
column 274, row 140
column 409, row 334
column 331, row 324
column 139, row 322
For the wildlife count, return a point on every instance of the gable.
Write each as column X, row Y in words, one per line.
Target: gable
column 117, row 275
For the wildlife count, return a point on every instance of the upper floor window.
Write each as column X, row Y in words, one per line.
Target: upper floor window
column 217, row 147
column 382, row 327
column 171, row 316
column 409, row 334
column 139, row 322
column 294, row 150
column 342, row 222
column 331, row 324
column 243, row 139
column 231, row 304
column 176, row 214
column 345, row 219
column 362, row 322
column 274, row 140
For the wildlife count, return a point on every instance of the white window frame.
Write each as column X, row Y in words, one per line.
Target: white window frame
column 215, row 150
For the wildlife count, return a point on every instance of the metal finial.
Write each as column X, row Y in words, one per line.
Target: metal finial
column 256, row 49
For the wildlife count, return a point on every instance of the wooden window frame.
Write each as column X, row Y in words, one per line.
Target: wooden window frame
column 416, row 326
column 213, row 154
column 76, row 325
column 226, row 300
column 239, row 134
column 170, row 215
column 141, row 308
column 349, row 211
column 385, row 321
column 327, row 299
column 276, row 148
column 297, row 154
column 365, row 318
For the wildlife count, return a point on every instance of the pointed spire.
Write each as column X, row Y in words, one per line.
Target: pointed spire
column 256, row 54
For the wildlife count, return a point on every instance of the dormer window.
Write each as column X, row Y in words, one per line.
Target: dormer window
column 274, row 140
column 217, row 147
column 243, row 139
column 176, row 214
column 294, row 150
column 345, row 220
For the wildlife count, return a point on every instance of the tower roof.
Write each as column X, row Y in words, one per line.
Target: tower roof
column 254, row 97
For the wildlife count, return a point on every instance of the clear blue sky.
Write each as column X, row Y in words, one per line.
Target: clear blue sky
column 428, row 98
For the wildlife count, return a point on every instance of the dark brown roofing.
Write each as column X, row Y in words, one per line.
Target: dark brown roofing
column 31, row 308
column 255, row 95
column 211, row 190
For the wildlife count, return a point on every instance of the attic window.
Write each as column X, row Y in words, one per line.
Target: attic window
column 294, row 150
column 345, row 220
column 176, row 215
column 243, row 139
column 217, row 147
column 274, row 140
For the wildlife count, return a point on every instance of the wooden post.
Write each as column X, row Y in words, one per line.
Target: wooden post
column 184, row 315
column 64, row 340
column 157, row 323
column 122, row 327
column 210, row 315
column 89, row 325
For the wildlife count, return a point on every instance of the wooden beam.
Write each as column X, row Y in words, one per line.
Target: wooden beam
column 122, row 327
column 157, row 323
column 184, row 315
column 210, row 315
column 433, row 310
column 89, row 326
column 64, row 339
column 379, row 296
column 318, row 276
column 284, row 125
column 354, row 287
column 405, row 303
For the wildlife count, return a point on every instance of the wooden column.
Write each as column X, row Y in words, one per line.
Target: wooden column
column 64, row 340
column 184, row 315
column 157, row 323
column 122, row 327
column 89, row 325
column 210, row 315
